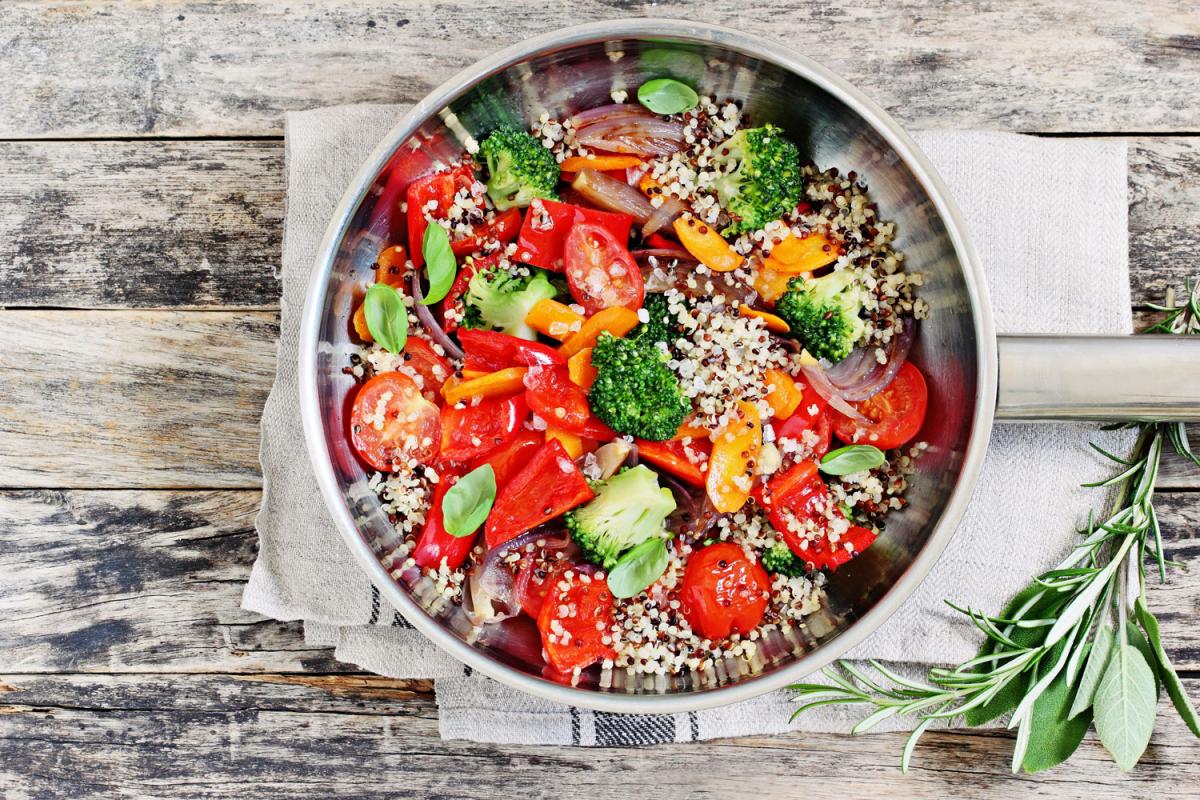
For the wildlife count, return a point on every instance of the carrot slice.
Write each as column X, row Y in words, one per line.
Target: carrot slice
column 690, row 430
column 617, row 320
column 708, row 246
column 500, row 383
column 360, row 325
column 734, row 453
column 795, row 255
column 580, row 369
column 783, row 394
column 390, row 266
column 554, row 319
column 770, row 282
column 602, row 163
column 774, row 323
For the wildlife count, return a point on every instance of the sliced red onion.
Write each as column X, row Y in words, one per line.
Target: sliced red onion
column 612, row 194
column 873, row 377
column 664, row 215
column 821, row 385
column 637, row 134
column 685, row 495
column 611, row 111
column 425, row 316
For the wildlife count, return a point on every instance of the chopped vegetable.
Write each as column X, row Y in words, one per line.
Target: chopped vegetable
column 501, row 383
column 549, row 485
column 488, row 351
column 782, row 393
column 760, row 178
column 554, row 319
column 520, row 169
column 724, row 592
column 634, row 391
column 734, row 454
column 629, row 508
column 554, row 397
column 574, row 624
column 579, row 367
column 616, row 321
column 547, row 224
column 438, row 190
column 773, row 323
column 500, row 300
column 436, row 545
column 602, row 163
column 778, row 559
column 708, row 246
column 671, row 456
column 823, row 313
column 795, row 255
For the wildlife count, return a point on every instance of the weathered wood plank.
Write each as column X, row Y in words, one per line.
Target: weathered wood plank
column 150, row 582
column 121, row 224
column 197, row 68
column 133, row 398
column 137, row 582
column 220, row 736
column 198, row 224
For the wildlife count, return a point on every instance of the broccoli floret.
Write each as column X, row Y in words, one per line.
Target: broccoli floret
column 634, row 391
column 823, row 313
column 760, row 180
column 520, row 169
column 499, row 300
column 779, row 559
column 629, row 508
column 662, row 325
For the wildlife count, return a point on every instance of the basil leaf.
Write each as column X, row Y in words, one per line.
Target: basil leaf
column 440, row 266
column 387, row 318
column 667, row 96
column 466, row 504
column 848, row 460
column 1125, row 704
column 638, row 568
column 1166, row 672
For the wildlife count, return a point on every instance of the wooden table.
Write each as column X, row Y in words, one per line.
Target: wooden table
column 141, row 200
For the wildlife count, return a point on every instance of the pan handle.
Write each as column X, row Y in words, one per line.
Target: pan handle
column 1111, row 378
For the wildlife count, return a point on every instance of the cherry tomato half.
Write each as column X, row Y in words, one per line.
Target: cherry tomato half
column 724, row 592
column 898, row 412
column 433, row 370
column 600, row 271
column 574, row 639
column 391, row 421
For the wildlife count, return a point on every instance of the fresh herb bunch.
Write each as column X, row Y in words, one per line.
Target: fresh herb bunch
column 1077, row 646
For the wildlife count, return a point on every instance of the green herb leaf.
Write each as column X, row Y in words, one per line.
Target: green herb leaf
column 466, row 504
column 440, row 265
column 1009, row 697
column 638, row 568
column 667, row 96
column 1093, row 671
column 1166, row 671
column 387, row 318
column 850, row 459
column 1053, row 734
column 1124, row 705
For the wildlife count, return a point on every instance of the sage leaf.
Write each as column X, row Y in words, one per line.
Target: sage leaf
column 850, row 459
column 440, row 266
column 466, row 504
column 638, row 568
column 1138, row 640
column 1010, row 696
column 1093, row 671
column 667, row 96
column 1166, row 672
column 387, row 318
column 1053, row 734
column 1124, row 706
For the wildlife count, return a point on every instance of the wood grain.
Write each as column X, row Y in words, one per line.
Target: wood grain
column 195, row 68
column 198, row 224
column 150, row 582
column 133, row 398
column 220, row 736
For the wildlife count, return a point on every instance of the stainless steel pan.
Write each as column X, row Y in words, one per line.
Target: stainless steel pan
column 1038, row 377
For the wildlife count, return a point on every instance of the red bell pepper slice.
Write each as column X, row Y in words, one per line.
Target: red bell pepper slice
column 452, row 306
column 546, row 227
column 813, row 414
column 435, row 542
column 439, row 188
column 549, row 485
column 657, row 241
column 670, row 457
column 801, row 491
column 476, row 430
column 504, row 228
column 489, row 351
column 553, row 396
column 508, row 460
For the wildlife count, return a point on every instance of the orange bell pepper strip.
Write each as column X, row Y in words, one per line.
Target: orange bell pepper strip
column 500, row 383
column 783, row 395
column 554, row 319
column 390, row 266
column 708, row 246
column 360, row 324
column 602, row 163
column 734, row 453
column 774, row 323
column 690, row 430
column 795, row 255
column 617, row 320
column 580, row 369
column 574, row 444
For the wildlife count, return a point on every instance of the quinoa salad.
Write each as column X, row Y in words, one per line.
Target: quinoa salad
column 633, row 382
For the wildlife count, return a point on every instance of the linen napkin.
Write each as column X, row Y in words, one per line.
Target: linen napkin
column 1048, row 217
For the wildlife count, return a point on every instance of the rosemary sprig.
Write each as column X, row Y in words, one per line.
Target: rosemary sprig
column 1077, row 646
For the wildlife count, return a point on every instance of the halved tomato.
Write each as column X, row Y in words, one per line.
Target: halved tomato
column 897, row 412
column 421, row 358
column 574, row 623
column 390, row 422
column 600, row 271
column 724, row 592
